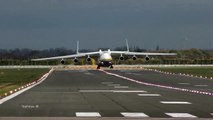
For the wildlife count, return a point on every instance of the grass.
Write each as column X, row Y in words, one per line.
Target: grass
column 199, row 71
column 11, row 79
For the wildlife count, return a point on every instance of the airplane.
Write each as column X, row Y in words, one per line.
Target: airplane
column 105, row 57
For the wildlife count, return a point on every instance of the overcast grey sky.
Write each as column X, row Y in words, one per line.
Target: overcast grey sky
column 41, row 24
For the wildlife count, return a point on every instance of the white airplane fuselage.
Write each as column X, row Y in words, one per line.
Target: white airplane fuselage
column 105, row 56
column 105, row 59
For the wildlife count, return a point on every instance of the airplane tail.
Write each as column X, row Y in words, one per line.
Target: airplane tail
column 77, row 50
column 127, row 45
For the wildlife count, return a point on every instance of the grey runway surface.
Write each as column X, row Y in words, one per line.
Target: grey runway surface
column 92, row 93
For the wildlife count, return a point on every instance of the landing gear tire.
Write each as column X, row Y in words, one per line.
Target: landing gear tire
column 111, row 67
column 98, row 67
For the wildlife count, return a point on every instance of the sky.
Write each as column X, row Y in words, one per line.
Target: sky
column 44, row 24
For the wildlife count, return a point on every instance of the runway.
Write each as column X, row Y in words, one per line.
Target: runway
column 114, row 93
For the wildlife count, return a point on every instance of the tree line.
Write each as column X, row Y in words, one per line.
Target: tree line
column 24, row 56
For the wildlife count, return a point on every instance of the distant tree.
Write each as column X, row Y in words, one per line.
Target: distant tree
column 138, row 49
column 122, row 48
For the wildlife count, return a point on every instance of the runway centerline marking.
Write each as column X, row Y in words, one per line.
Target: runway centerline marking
column 175, row 102
column 113, row 85
column 158, row 85
column 133, row 114
column 88, row 114
column 184, row 83
column 114, row 91
column 149, row 95
column 201, row 85
column 88, row 73
column 181, row 115
column 95, row 90
column 129, row 91
column 121, row 87
column 106, row 82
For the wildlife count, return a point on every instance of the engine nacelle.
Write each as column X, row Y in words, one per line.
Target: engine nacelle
column 88, row 59
column 62, row 61
column 121, row 58
column 75, row 60
column 134, row 58
column 147, row 58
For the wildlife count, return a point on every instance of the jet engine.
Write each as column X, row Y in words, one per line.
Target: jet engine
column 121, row 58
column 62, row 61
column 88, row 59
column 134, row 57
column 147, row 58
column 75, row 60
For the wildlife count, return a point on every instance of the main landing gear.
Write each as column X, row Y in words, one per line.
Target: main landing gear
column 98, row 67
column 105, row 64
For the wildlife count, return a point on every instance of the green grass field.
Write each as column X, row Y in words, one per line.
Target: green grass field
column 199, row 71
column 11, row 79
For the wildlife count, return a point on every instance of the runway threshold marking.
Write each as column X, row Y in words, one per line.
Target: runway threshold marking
column 181, row 115
column 88, row 114
column 134, row 114
column 158, row 85
column 175, row 102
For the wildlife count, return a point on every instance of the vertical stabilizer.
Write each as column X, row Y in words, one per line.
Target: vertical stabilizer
column 77, row 50
column 127, row 45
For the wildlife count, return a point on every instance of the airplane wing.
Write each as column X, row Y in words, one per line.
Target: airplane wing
column 141, row 53
column 67, row 56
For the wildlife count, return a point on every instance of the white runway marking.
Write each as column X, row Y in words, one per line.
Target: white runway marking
column 175, row 102
column 113, row 85
column 115, row 91
column 134, row 114
column 129, row 91
column 87, row 73
column 121, row 86
column 211, row 113
column 181, row 115
column 95, row 90
column 87, row 114
column 200, row 85
column 149, row 95
column 184, row 83
column 106, row 82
